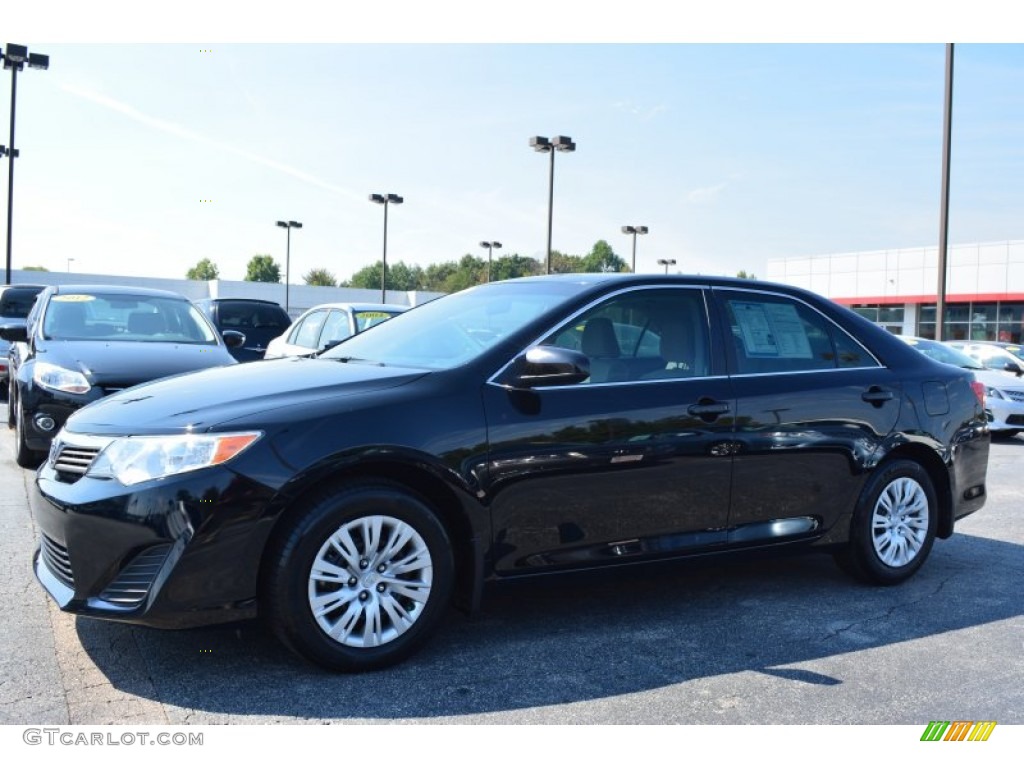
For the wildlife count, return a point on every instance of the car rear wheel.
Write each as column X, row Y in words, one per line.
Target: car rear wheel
column 360, row 579
column 894, row 525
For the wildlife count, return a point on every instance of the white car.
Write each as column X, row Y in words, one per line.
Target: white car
column 324, row 325
column 1004, row 392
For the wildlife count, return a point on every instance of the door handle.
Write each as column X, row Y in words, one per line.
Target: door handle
column 708, row 409
column 877, row 396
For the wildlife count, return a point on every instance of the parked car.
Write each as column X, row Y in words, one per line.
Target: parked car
column 258, row 320
column 350, row 497
column 325, row 325
column 81, row 343
column 1004, row 392
column 15, row 303
column 991, row 355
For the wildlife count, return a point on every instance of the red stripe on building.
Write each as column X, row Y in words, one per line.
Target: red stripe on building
column 951, row 298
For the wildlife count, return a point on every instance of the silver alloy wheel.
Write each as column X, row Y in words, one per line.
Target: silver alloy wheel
column 370, row 581
column 899, row 522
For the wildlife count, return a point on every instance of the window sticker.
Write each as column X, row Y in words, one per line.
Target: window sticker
column 73, row 297
column 771, row 330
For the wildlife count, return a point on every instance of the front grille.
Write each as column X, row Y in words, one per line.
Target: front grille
column 74, row 460
column 134, row 581
column 57, row 561
column 1016, row 420
column 1017, row 395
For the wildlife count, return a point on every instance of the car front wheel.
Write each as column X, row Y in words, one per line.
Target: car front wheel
column 23, row 455
column 894, row 525
column 360, row 579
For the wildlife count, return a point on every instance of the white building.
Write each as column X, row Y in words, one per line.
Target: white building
column 898, row 288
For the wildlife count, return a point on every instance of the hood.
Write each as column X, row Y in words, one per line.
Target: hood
column 126, row 363
column 991, row 377
column 199, row 401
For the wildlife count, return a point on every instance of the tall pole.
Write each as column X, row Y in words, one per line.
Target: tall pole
column 551, row 200
column 10, row 171
column 634, row 250
column 384, row 269
column 940, row 304
column 287, row 267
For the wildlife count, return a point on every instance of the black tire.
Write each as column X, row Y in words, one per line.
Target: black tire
column 889, row 548
column 370, row 586
column 23, row 455
column 10, row 404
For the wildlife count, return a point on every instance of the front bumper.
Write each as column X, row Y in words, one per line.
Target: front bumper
column 171, row 553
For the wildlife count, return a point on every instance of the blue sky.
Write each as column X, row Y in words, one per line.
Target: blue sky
column 144, row 158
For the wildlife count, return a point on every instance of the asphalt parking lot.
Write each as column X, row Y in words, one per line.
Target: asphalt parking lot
column 776, row 642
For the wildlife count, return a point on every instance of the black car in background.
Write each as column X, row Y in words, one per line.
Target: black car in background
column 514, row 429
column 83, row 342
column 258, row 320
column 15, row 303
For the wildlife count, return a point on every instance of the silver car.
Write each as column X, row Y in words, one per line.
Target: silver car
column 1004, row 391
column 324, row 325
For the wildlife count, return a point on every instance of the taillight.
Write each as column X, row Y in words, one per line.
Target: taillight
column 979, row 392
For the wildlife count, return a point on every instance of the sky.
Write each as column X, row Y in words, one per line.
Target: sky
column 146, row 147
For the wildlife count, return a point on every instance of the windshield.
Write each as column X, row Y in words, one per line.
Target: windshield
column 936, row 350
column 123, row 317
column 452, row 330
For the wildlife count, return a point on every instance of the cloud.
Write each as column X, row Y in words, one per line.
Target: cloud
column 706, row 194
column 184, row 133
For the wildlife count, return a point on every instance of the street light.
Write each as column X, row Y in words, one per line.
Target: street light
column 15, row 58
column 384, row 200
column 667, row 263
column 70, row 259
column 288, row 225
column 541, row 144
column 634, row 231
column 489, row 245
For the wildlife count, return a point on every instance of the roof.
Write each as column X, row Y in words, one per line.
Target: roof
column 119, row 290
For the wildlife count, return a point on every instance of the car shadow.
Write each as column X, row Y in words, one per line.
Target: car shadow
column 579, row 639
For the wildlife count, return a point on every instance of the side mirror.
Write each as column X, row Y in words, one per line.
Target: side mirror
column 1010, row 367
column 14, row 332
column 233, row 339
column 550, row 366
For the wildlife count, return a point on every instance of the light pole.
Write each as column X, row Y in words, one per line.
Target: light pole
column 541, row 144
column 384, row 200
column 634, row 231
column 489, row 245
column 70, row 259
column 15, row 58
column 288, row 225
column 666, row 263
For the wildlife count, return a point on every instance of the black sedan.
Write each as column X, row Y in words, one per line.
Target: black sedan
column 81, row 343
column 517, row 428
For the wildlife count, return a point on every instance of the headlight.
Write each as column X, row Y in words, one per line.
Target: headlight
column 132, row 460
column 61, row 379
column 994, row 393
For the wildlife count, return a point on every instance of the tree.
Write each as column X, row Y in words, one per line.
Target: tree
column 320, row 276
column 602, row 259
column 745, row 276
column 35, row 269
column 263, row 269
column 514, row 265
column 203, row 270
column 401, row 277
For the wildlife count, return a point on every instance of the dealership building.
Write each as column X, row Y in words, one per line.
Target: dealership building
column 897, row 288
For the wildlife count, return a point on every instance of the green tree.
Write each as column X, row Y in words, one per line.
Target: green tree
column 745, row 276
column 320, row 276
column 514, row 265
column 602, row 259
column 35, row 269
column 401, row 277
column 203, row 270
column 263, row 269
column 563, row 263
